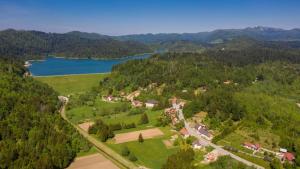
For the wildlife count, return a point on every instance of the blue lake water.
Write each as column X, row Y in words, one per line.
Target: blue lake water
column 63, row 66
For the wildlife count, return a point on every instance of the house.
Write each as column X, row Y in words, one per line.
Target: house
column 227, row 82
column 282, row 150
column 203, row 131
column 132, row 95
column 177, row 103
column 251, row 146
column 136, row 103
column 288, row 157
column 184, row 132
column 108, row 98
column 63, row 99
column 197, row 145
column 151, row 103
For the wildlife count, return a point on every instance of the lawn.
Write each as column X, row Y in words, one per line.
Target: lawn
column 152, row 153
column 80, row 114
column 70, row 84
column 92, row 150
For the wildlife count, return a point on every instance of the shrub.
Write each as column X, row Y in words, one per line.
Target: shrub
column 144, row 119
column 132, row 157
column 125, row 151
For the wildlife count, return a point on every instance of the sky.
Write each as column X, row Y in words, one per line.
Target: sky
column 120, row 17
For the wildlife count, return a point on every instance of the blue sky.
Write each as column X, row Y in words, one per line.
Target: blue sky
column 118, row 17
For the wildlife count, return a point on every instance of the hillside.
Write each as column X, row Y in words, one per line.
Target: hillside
column 34, row 44
column 32, row 133
column 252, row 101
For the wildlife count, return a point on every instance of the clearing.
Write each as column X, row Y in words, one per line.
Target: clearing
column 70, row 84
column 94, row 161
column 133, row 136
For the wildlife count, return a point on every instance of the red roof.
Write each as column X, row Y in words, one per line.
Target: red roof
column 184, row 131
column 289, row 156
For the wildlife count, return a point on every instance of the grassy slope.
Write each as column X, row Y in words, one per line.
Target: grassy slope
column 71, row 84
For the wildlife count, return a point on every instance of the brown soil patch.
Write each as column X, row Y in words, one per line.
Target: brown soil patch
column 85, row 126
column 133, row 136
column 94, row 161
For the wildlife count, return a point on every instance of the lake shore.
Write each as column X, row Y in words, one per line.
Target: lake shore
column 71, row 74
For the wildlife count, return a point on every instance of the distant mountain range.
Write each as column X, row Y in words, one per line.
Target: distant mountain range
column 36, row 44
column 219, row 36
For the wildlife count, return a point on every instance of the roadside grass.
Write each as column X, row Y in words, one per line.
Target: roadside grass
column 255, row 160
column 71, row 84
column 91, row 151
column 152, row 153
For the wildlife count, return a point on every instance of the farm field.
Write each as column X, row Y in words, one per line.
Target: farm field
column 152, row 153
column 94, row 161
column 71, row 84
column 132, row 136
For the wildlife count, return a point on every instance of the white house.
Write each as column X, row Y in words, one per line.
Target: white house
column 151, row 103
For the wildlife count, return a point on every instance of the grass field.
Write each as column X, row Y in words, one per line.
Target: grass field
column 92, row 150
column 71, row 84
column 152, row 153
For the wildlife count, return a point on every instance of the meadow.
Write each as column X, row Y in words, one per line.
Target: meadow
column 72, row 84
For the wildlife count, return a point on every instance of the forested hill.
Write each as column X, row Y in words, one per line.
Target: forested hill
column 253, row 92
column 32, row 133
column 34, row 44
column 218, row 36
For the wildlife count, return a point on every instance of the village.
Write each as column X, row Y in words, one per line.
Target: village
column 201, row 133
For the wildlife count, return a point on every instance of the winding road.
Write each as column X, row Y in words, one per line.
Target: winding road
column 194, row 133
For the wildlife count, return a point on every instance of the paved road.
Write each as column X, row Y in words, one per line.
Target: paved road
column 194, row 133
column 106, row 151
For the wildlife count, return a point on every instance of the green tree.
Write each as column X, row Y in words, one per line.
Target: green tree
column 144, row 119
column 141, row 139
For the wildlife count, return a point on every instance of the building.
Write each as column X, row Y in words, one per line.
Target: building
column 203, row 131
column 172, row 113
column 136, row 103
column 227, row 82
column 151, row 103
column 197, row 145
column 251, row 146
column 282, row 150
column 108, row 98
column 184, row 132
column 132, row 95
column 288, row 157
column 177, row 103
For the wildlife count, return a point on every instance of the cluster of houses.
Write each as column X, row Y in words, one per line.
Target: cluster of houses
column 172, row 112
column 203, row 131
column 131, row 97
column 283, row 154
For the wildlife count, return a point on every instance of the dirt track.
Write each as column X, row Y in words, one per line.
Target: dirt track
column 95, row 161
column 85, row 126
column 133, row 136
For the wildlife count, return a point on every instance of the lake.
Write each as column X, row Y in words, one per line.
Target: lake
column 63, row 66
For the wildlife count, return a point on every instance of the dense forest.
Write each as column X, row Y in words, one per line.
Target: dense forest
column 248, row 90
column 34, row 45
column 32, row 133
